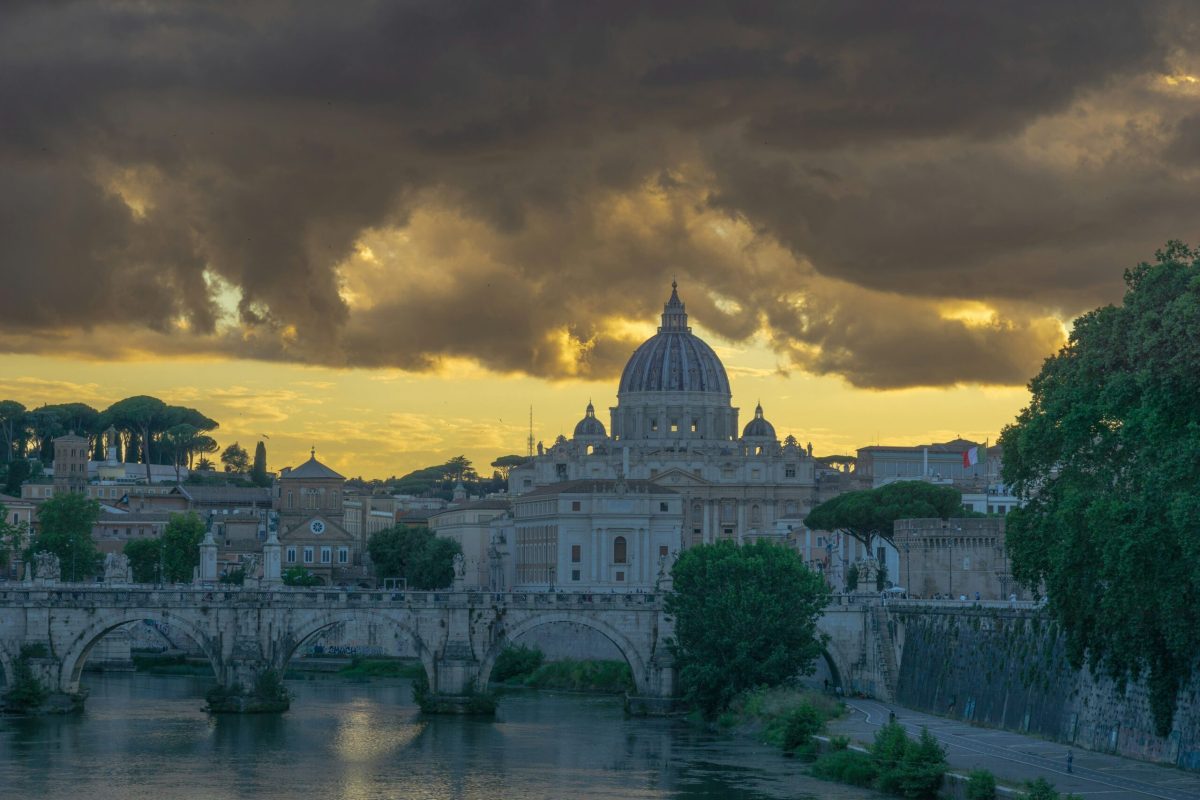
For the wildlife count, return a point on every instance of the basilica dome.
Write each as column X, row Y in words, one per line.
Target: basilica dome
column 674, row 359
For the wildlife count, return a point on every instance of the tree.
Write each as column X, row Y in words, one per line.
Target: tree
column 299, row 576
column 65, row 528
column 258, row 473
column 18, row 472
column 869, row 513
column 204, row 464
column 415, row 554
column 460, row 469
column 235, row 458
column 180, row 441
column 143, row 555
column 505, row 463
column 138, row 415
column 181, row 547
column 1107, row 459
column 12, row 417
column 12, row 537
column 745, row 616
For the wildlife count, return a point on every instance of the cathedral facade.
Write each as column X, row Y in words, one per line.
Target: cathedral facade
column 675, row 425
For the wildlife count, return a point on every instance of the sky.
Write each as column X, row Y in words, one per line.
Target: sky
column 388, row 229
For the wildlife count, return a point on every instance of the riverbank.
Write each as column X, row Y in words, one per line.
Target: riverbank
column 526, row 667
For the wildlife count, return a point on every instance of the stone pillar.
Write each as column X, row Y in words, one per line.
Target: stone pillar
column 706, row 530
column 272, row 561
column 208, row 559
column 741, row 519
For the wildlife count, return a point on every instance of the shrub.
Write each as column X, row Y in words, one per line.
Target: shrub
column 839, row 743
column 981, row 785
column 1042, row 789
column 907, row 768
column 846, row 766
column 800, row 725
column 516, row 662
column 26, row 692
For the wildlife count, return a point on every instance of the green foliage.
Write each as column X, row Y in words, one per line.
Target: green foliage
column 868, row 513
column 981, row 785
column 505, row 463
column 1107, row 458
column 12, row 537
column 258, row 472
column 18, row 472
column 745, row 616
column 839, row 742
column 583, row 676
column 852, row 578
column 360, row 667
column 27, row 692
column 65, row 528
column 299, row 576
column 800, row 726
column 424, row 560
column 235, row 458
column 181, row 546
column 516, row 662
column 907, row 768
column 143, row 555
column 1042, row 789
column 235, row 577
column 846, row 766
column 12, row 416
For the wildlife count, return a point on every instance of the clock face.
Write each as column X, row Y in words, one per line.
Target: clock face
column 316, row 526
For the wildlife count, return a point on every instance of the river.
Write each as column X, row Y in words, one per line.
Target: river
column 144, row 737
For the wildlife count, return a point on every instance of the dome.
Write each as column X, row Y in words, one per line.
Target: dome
column 758, row 428
column 589, row 425
column 674, row 359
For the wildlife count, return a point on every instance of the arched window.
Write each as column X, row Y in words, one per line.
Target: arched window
column 755, row 514
column 619, row 550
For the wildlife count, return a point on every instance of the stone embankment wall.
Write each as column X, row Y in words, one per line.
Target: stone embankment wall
column 1008, row 669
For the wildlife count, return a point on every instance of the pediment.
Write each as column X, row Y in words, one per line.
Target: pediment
column 675, row 477
column 330, row 531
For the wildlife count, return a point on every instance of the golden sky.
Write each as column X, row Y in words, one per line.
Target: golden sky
column 387, row 230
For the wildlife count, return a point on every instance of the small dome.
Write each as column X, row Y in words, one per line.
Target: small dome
column 759, row 428
column 589, row 425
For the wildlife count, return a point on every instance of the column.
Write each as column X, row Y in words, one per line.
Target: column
column 706, row 529
column 741, row 519
column 644, row 570
column 595, row 556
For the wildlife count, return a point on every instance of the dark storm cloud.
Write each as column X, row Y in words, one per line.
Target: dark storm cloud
column 148, row 150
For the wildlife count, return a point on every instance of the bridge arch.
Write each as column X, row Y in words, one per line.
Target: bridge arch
column 82, row 644
column 307, row 627
column 628, row 650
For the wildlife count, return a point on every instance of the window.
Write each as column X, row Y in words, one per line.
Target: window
column 674, row 426
column 291, row 500
column 291, row 555
column 576, row 554
column 308, row 555
column 574, row 574
column 789, row 471
column 527, row 482
column 619, row 553
column 695, row 426
column 621, row 577
column 653, row 473
column 576, row 505
column 343, row 555
column 653, row 424
column 662, row 551
column 755, row 514
column 729, row 531
column 326, row 555
column 662, row 507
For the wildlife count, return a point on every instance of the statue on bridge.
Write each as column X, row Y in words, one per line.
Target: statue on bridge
column 117, row 569
column 46, row 566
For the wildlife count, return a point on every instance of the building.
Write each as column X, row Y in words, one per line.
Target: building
column 309, row 507
column 19, row 513
column 470, row 525
column 955, row 558
column 71, row 456
column 674, row 424
column 595, row 535
column 116, row 527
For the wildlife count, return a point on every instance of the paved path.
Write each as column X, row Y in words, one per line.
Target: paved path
column 1014, row 758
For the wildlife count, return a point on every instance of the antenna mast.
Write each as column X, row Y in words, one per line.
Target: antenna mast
column 529, row 441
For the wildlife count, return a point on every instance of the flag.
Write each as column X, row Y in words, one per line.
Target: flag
column 971, row 457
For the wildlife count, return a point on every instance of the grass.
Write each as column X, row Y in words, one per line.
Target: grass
column 785, row 717
column 382, row 668
column 582, row 676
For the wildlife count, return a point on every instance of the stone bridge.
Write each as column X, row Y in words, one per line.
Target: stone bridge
column 246, row 631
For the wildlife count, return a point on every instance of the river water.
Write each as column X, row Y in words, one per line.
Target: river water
column 144, row 737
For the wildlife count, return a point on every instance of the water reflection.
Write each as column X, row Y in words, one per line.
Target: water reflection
column 146, row 737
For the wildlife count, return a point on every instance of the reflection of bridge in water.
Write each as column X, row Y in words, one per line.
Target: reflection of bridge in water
column 244, row 632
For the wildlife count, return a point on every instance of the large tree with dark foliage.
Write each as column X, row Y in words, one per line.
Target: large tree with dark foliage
column 870, row 513
column 424, row 560
column 745, row 616
column 1107, row 458
column 65, row 528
